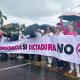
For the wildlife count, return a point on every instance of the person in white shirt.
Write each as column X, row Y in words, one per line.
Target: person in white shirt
column 38, row 34
column 49, row 33
column 58, row 31
column 21, row 37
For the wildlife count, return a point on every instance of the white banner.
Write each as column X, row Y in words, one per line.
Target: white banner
column 66, row 48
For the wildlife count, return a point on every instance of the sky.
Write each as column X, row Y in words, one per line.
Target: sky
column 37, row 11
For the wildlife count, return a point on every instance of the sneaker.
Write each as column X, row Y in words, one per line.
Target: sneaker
column 78, row 75
column 38, row 63
column 20, row 57
column 70, row 71
column 49, row 65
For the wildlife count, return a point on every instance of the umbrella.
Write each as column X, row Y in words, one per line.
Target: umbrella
column 71, row 16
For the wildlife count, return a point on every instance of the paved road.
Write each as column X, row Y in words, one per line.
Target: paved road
column 21, row 70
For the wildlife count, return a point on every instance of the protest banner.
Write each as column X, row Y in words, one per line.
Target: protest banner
column 66, row 48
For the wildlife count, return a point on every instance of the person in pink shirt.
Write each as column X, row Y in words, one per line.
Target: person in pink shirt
column 71, row 31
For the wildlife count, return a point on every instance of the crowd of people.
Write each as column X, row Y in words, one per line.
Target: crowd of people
column 58, row 30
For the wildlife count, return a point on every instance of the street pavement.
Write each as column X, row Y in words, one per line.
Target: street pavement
column 15, row 69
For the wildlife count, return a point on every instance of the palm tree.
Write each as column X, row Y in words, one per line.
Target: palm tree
column 1, row 18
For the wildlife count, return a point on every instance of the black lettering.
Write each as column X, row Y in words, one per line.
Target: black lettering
column 60, row 48
column 68, row 51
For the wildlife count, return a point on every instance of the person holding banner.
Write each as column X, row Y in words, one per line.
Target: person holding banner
column 58, row 31
column 38, row 34
column 21, row 37
column 12, row 38
column 49, row 58
column 3, row 39
column 71, row 31
column 32, row 56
